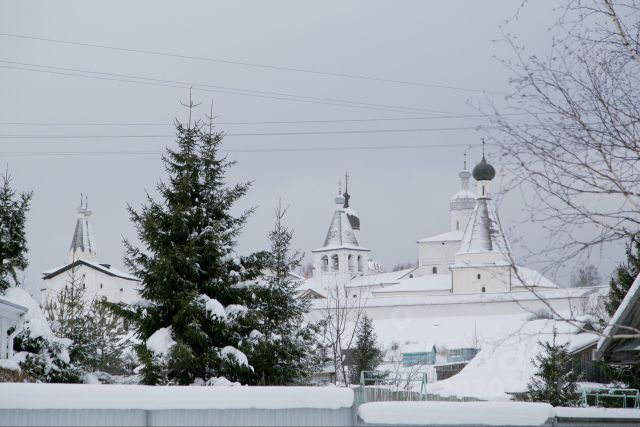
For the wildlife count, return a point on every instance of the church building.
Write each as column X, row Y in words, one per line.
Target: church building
column 99, row 280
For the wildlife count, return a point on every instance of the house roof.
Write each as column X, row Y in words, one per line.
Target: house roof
column 449, row 236
column 100, row 267
column 484, row 232
column 627, row 314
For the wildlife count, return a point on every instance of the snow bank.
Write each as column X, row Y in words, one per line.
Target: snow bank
column 85, row 396
column 505, row 366
column 456, row 413
column 160, row 342
column 9, row 365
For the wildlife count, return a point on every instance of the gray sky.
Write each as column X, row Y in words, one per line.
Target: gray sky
column 401, row 194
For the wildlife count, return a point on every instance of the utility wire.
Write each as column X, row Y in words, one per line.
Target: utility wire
column 239, row 150
column 250, row 64
column 207, row 88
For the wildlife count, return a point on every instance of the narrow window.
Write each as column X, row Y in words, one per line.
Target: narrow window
column 121, row 289
column 483, row 190
column 434, row 270
column 100, row 285
column 351, row 263
column 484, row 289
column 457, row 225
column 324, row 263
column 478, row 276
column 335, row 262
column 360, row 263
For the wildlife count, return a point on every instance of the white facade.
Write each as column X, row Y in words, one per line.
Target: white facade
column 99, row 280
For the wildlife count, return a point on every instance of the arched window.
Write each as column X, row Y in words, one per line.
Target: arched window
column 484, row 289
column 360, row 263
column 335, row 262
column 458, row 225
column 434, row 270
column 324, row 263
column 478, row 276
column 351, row 263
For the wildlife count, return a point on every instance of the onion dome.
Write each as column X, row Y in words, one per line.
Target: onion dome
column 484, row 171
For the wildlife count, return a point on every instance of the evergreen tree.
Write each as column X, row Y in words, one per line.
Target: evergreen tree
column 199, row 296
column 108, row 347
column 555, row 379
column 67, row 315
column 367, row 356
column 624, row 275
column 13, row 242
column 286, row 350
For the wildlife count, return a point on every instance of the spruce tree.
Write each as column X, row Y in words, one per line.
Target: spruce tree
column 286, row 350
column 367, row 356
column 624, row 275
column 13, row 242
column 108, row 346
column 199, row 297
column 67, row 315
column 555, row 379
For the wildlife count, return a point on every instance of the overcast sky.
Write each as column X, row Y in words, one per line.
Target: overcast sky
column 254, row 50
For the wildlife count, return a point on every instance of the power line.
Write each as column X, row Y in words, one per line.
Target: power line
column 327, row 132
column 255, row 65
column 264, row 122
column 217, row 89
column 248, row 150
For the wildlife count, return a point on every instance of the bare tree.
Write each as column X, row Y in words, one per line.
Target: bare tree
column 341, row 314
column 571, row 128
column 585, row 276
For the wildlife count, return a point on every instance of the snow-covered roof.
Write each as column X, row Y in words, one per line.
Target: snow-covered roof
column 464, row 194
column 104, row 268
column 378, row 279
column 426, row 283
column 531, row 278
column 623, row 316
column 82, row 241
column 505, row 366
column 449, row 236
column 340, row 233
column 484, row 232
column 11, row 309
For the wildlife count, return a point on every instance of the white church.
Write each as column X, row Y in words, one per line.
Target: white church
column 466, row 281
column 99, row 280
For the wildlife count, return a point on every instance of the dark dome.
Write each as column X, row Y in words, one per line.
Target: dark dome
column 484, row 171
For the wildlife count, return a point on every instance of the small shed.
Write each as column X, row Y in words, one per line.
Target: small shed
column 418, row 354
column 10, row 316
column 464, row 354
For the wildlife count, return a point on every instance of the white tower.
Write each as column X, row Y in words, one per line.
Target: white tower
column 462, row 203
column 484, row 262
column 341, row 257
column 83, row 246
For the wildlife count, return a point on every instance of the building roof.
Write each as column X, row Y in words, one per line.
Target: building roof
column 11, row 309
column 82, row 241
column 340, row 234
column 484, row 171
column 449, row 236
column 103, row 268
column 627, row 315
column 484, row 232
column 426, row 283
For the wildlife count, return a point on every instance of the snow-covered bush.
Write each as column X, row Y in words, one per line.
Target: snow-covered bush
column 41, row 355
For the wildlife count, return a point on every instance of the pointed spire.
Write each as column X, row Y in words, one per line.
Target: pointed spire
column 346, row 194
column 82, row 243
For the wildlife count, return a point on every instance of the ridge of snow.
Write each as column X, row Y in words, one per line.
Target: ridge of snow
column 449, row 236
column 88, row 396
column 233, row 353
column 456, row 413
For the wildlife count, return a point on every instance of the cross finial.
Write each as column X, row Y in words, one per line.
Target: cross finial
column 346, row 182
column 81, row 199
column 86, row 202
column 483, row 148
column 465, row 159
column 339, row 187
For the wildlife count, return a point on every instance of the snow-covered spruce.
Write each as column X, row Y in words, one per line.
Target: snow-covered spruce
column 201, row 296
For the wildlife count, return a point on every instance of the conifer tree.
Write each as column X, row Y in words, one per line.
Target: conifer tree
column 367, row 356
column 624, row 275
column 555, row 379
column 286, row 348
column 13, row 242
column 198, row 308
column 108, row 344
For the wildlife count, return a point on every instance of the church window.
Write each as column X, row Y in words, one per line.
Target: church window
column 457, row 225
column 484, row 289
column 434, row 270
column 324, row 263
column 121, row 289
column 478, row 276
column 351, row 263
column 360, row 263
column 335, row 262
column 483, row 190
column 100, row 285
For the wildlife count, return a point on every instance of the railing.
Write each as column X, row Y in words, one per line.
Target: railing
column 611, row 397
column 376, row 386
